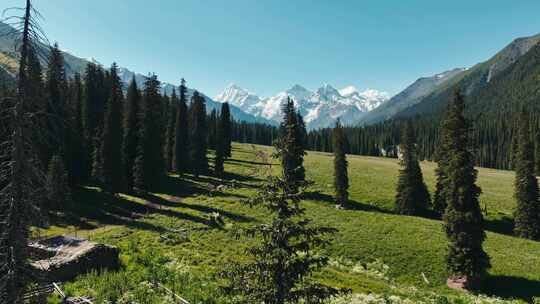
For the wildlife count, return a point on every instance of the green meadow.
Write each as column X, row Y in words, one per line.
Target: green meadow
column 170, row 235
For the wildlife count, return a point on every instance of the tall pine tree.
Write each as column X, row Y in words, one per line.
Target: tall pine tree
column 131, row 132
column 198, row 135
column 170, row 132
column 220, row 146
column 55, row 112
column 527, row 213
column 412, row 196
column 290, row 147
column 226, row 125
column 341, row 177
column 289, row 253
column 463, row 220
column 149, row 164
column 181, row 136
column 76, row 162
column 111, row 147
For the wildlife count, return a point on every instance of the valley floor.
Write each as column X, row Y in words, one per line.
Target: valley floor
column 169, row 233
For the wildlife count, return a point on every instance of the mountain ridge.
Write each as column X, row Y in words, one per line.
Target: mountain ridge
column 74, row 64
column 320, row 108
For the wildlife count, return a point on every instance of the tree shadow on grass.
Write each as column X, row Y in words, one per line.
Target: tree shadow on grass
column 511, row 287
column 247, row 162
column 351, row 205
column 93, row 208
column 502, row 225
column 159, row 201
column 193, row 186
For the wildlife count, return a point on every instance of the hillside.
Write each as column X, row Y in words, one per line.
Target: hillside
column 412, row 95
column 171, row 230
column 74, row 64
column 476, row 79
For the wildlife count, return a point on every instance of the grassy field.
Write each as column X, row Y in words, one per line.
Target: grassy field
column 375, row 251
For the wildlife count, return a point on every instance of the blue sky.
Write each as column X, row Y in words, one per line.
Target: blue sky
column 267, row 46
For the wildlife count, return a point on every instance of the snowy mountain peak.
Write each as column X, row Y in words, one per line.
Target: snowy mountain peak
column 237, row 96
column 327, row 93
column 320, row 108
column 349, row 90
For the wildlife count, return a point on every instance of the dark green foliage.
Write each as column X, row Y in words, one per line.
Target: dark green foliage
column 254, row 133
column 76, row 149
column 220, row 146
column 97, row 161
column 226, row 125
column 212, row 129
column 181, row 140
column 527, row 213
column 290, row 147
column 111, row 146
column 198, row 135
column 412, row 196
column 463, row 220
column 537, row 153
column 57, row 185
column 131, row 132
column 341, row 177
column 170, row 132
column 288, row 255
column 439, row 199
column 56, row 108
column 93, row 109
column 149, row 164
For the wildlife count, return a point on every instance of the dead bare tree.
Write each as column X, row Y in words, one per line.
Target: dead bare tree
column 21, row 178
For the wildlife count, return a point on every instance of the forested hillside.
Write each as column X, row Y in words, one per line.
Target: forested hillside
column 492, row 106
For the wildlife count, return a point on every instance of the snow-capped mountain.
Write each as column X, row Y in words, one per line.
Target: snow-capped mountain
column 366, row 100
column 320, row 108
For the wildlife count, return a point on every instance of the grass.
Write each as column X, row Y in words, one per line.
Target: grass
column 369, row 231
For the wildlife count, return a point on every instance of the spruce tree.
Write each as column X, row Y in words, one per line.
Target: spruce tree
column 226, row 125
column 57, row 185
column 170, row 132
column 21, row 182
column 149, row 164
column 220, row 146
column 290, row 147
column 463, row 220
column 181, row 140
column 89, row 114
column 412, row 196
column 198, row 135
column 55, row 111
column 131, row 131
column 341, row 177
column 288, row 255
column 527, row 213
column 212, row 129
column 111, row 146
column 76, row 162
